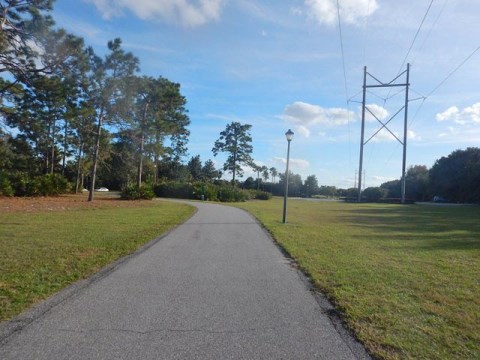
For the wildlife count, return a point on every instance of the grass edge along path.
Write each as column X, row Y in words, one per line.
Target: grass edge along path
column 43, row 252
column 405, row 278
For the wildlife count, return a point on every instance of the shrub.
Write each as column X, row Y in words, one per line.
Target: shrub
column 137, row 193
column 52, row 184
column 232, row 194
column 374, row 193
column 172, row 189
column 213, row 192
column 260, row 195
column 45, row 185
column 208, row 190
column 6, row 188
column 21, row 184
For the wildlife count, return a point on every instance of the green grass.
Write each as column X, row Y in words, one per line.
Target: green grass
column 406, row 278
column 42, row 252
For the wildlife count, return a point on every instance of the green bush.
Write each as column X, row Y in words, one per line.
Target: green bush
column 212, row 192
column 45, row 185
column 228, row 193
column 208, row 190
column 137, row 193
column 52, row 184
column 374, row 193
column 173, row 189
column 6, row 188
column 21, row 184
column 261, row 195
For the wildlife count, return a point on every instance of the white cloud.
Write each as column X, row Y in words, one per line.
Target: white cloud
column 351, row 11
column 412, row 135
column 469, row 115
column 304, row 114
column 449, row 114
column 185, row 12
column 299, row 164
column 377, row 110
column 296, row 11
column 294, row 163
column 385, row 135
column 377, row 180
column 303, row 130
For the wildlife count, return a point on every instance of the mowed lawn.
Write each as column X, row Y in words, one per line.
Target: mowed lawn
column 45, row 248
column 406, row 278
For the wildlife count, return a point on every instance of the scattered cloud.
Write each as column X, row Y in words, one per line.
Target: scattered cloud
column 85, row 29
column 226, row 118
column 385, row 135
column 296, row 11
column 466, row 116
column 412, row 135
column 299, row 164
column 304, row 114
column 294, row 163
column 264, row 12
column 351, row 11
column 457, row 135
column 377, row 111
column 377, row 180
column 303, row 130
column 185, row 12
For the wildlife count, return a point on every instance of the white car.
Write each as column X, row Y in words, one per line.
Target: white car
column 102, row 189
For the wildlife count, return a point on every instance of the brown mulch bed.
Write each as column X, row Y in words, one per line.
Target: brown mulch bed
column 64, row 202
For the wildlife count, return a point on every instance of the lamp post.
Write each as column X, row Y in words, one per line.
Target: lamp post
column 289, row 136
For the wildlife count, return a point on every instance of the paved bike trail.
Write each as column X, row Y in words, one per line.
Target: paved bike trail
column 216, row 287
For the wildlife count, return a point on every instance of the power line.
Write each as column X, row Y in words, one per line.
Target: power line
column 424, row 98
column 416, row 35
column 341, row 46
column 453, row 72
column 431, row 28
column 344, row 79
column 365, row 32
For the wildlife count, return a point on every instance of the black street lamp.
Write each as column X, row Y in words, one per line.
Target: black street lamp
column 289, row 136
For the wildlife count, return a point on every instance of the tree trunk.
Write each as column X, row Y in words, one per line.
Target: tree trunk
column 79, row 165
column 140, row 162
column 142, row 146
column 95, row 155
column 45, row 151
column 65, row 144
column 52, row 154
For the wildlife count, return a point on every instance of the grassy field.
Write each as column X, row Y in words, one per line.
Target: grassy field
column 406, row 278
column 45, row 248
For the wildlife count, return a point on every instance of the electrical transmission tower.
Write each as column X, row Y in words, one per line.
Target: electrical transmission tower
column 380, row 84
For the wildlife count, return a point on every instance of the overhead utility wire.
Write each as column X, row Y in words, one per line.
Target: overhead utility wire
column 453, row 72
column 431, row 28
column 416, row 35
column 413, row 42
column 343, row 53
column 424, row 98
column 365, row 32
column 344, row 78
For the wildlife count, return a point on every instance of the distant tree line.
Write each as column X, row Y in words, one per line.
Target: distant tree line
column 454, row 178
column 69, row 115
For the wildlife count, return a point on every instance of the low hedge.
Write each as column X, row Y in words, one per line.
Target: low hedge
column 44, row 185
column 206, row 191
column 135, row 192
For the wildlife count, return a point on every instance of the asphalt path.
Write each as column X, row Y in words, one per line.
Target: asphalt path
column 216, row 287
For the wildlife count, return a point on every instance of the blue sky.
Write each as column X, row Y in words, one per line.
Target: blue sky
column 277, row 64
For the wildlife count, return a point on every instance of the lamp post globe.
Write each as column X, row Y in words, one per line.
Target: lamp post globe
column 289, row 135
